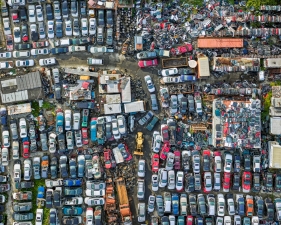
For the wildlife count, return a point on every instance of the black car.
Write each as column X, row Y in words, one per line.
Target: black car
column 58, row 28
column 192, row 204
column 60, row 50
column 189, row 182
column 61, row 137
column 206, row 163
column 70, row 221
column 64, row 8
column 277, row 182
column 268, row 181
column 49, row 12
column 185, row 162
column 165, row 220
column 236, row 182
column 100, row 17
column 2, row 208
column 34, row 36
column 54, row 168
column 83, row 8
column 247, row 162
column 23, row 46
column 57, row 198
column 22, row 14
column 237, row 163
column 259, row 207
column 109, row 18
column 49, row 199
column 269, row 208
column 256, row 182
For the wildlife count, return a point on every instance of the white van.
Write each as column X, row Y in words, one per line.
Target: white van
column 167, row 202
column 65, row 42
column 56, row 75
column 92, row 61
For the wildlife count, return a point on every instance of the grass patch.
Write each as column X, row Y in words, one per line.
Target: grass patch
column 48, row 106
column 34, row 190
column 266, row 105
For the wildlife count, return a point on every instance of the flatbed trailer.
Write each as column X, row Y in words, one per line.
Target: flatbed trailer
column 174, row 62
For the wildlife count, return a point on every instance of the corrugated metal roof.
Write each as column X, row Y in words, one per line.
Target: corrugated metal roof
column 29, row 81
column 14, row 97
column 220, row 43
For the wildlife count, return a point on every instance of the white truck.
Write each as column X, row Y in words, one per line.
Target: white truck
column 39, row 217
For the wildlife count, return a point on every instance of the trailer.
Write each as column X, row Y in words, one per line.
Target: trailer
column 124, row 205
column 174, row 62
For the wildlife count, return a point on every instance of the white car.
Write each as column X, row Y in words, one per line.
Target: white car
column 221, row 205
column 40, row 51
column 256, row 163
column 25, row 63
column 32, row 15
column 68, row 28
column 115, row 129
column 27, row 169
column 57, row 11
column 7, row 26
column 156, row 141
column 179, row 181
column 39, row 217
column 92, row 26
column 183, row 204
column 6, row 138
column 141, row 212
column 141, row 168
column 67, row 115
column 237, row 220
column 89, row 216
column 51, row 33
column 171, row 80
column 154, row 182
column 17, row 37
column 76, row 121
column 196, row 163
column 33, row 28
column 151, row 203
column 140, row 189
column 169, row 72
column 94, row 201
column 149, row 84
column 217, row 166
column 6, row 64
column 230, row 206
column 17, row 172
column 15, row 150
column 121, row 124
column 227, row 220
column 219, row 220
column 171, row 180
column 39, row 13
column 163, row 177
column 52, row 143
column 5, row 157
column 227, row 163
column 47, row 61
column 5, row 55
column 170, row 161
column 21, row 54
column 22, row 126
column 84, row 26
column 217, row 181
column 78, row 138
column 208, row 181
column 255, row 220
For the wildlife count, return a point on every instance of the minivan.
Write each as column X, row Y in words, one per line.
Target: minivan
column 100, row 36
column 101, row 17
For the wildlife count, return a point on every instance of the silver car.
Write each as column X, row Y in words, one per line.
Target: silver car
column 14, row 130
column 27, row 169
column 141, row 212
column 141, row 189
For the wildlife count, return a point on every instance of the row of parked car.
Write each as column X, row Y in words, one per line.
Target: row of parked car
column 192, row 205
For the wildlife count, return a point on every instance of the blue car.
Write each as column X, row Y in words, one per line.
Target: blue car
column 94, row 129
column 175, row 204
column 41, row 193
column 246, row 221
column 72, row 182
column 72, row 211
column 241, row 206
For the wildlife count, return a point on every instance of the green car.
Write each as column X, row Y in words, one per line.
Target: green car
column 85, row 117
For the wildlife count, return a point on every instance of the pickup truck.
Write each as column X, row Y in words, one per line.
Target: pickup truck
column 53, row 183
column 24, row 195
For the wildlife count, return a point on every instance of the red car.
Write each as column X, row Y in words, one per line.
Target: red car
column 128, row 152
column 10, row 42
column 147, row 63
column 85, row 138
column 25, row 151
column 15, row 17
column 177, row 162
column 165, row 133
column 155, row 162
column 226, row 182
column 189, row 220
column 246, row 181
column 182, row 49
column 164, row 151
column 217, row 153
column 107, row 158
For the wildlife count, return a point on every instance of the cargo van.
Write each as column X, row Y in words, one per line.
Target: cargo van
column 100, row 36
